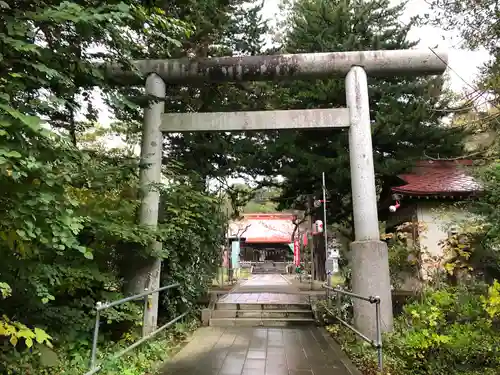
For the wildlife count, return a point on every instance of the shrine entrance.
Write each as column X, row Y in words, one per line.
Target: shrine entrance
column 370, row 273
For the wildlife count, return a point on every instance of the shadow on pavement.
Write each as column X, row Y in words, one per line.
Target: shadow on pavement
column 260, row 351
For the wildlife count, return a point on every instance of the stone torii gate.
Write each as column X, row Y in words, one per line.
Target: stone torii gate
column 370, row 267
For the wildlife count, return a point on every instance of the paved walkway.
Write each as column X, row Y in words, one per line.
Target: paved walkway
column 264, row 289
column 305, row 350
column 260, row 351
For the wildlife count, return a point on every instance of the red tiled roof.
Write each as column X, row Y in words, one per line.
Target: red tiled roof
column 439, row 178
column 264, row 228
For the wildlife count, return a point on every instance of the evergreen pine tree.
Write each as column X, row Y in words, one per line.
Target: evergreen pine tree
column 405, row 112
column 222, row 29
column 217, row 28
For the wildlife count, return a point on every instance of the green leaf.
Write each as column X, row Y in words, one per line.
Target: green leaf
column 88, row 254
column 41, row 336
column 32, row 122
column 13, row 340
column 13, row 154
column 29, row 342
column 10, row 153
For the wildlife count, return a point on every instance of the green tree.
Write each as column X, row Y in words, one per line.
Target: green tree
column 264, row 200
column 405, row 111
column 68, row 224
column 476, row 21
column 220, row 28
column 242, row 198
column 224, row 29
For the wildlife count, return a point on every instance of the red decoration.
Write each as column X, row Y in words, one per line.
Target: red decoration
column 296, row 252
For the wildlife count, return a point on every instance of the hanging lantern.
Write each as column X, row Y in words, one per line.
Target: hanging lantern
column 395, row 207
column 318, row 226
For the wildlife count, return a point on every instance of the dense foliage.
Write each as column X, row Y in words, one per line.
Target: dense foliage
column 452, row 330
column 243, row 198
column 476, row 22
column 405, row 256
column 68, row 229
column 474, row 248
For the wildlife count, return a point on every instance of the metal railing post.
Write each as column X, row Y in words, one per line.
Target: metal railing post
column 96, row 335
column 145, row 335
column 327, row 296
column 339, row 303
column 377, row 343
column 144, row 314
column 379, row 334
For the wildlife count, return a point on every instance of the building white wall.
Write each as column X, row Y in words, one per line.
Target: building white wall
column 438, row 219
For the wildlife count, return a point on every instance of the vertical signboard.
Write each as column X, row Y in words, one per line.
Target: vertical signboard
column 235, row 254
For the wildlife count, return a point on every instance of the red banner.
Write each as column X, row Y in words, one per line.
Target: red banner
column 296, row 252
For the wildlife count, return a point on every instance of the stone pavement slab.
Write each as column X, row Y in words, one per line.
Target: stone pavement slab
column 260, row 351
column 265, row 280
column 264, row 298
column 264, row 289
column 268, row 289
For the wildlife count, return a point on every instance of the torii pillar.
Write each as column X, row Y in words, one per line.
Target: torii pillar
column 370, row 265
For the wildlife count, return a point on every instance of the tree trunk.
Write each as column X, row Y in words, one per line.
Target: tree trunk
column 319, row 250
column 318, row 271
column 311, row 244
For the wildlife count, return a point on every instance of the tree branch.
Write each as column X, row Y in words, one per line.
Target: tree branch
column 457, row 158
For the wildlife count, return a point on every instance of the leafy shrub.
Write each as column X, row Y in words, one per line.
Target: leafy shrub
column 404, row 255
column 452, row 330
column 448, row 326
column 73, row 359
column 325, row 308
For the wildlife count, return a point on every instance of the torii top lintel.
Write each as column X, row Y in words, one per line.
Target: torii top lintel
column 280, row 67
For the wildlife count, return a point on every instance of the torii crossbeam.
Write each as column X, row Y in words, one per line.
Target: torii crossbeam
column 370, row 274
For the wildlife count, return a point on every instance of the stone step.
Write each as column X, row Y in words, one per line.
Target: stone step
column 257, row 271
column 260, row 322
column 275, row 314
column 262, row 306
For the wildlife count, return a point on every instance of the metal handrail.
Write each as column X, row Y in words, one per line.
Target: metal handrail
column 93, row 369
column 373, row 300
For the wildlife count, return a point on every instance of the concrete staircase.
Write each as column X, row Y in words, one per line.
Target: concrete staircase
column 261, row 315
column 269, row 268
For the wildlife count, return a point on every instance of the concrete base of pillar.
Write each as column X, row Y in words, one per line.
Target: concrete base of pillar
column 370, row 277
column 206, row 315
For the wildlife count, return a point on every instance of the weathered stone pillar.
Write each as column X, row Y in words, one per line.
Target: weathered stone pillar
column 370, row 262
column 148, row 274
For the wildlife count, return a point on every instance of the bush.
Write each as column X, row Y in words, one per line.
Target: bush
column 73, row 359
column 448, row 331
column 452, row 330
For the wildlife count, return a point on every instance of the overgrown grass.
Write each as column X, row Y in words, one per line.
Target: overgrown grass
column 223, row 272
column 73, row 358
column 362, row 354
column 337, row 279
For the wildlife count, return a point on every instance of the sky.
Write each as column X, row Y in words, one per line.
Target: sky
column 463, row 64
